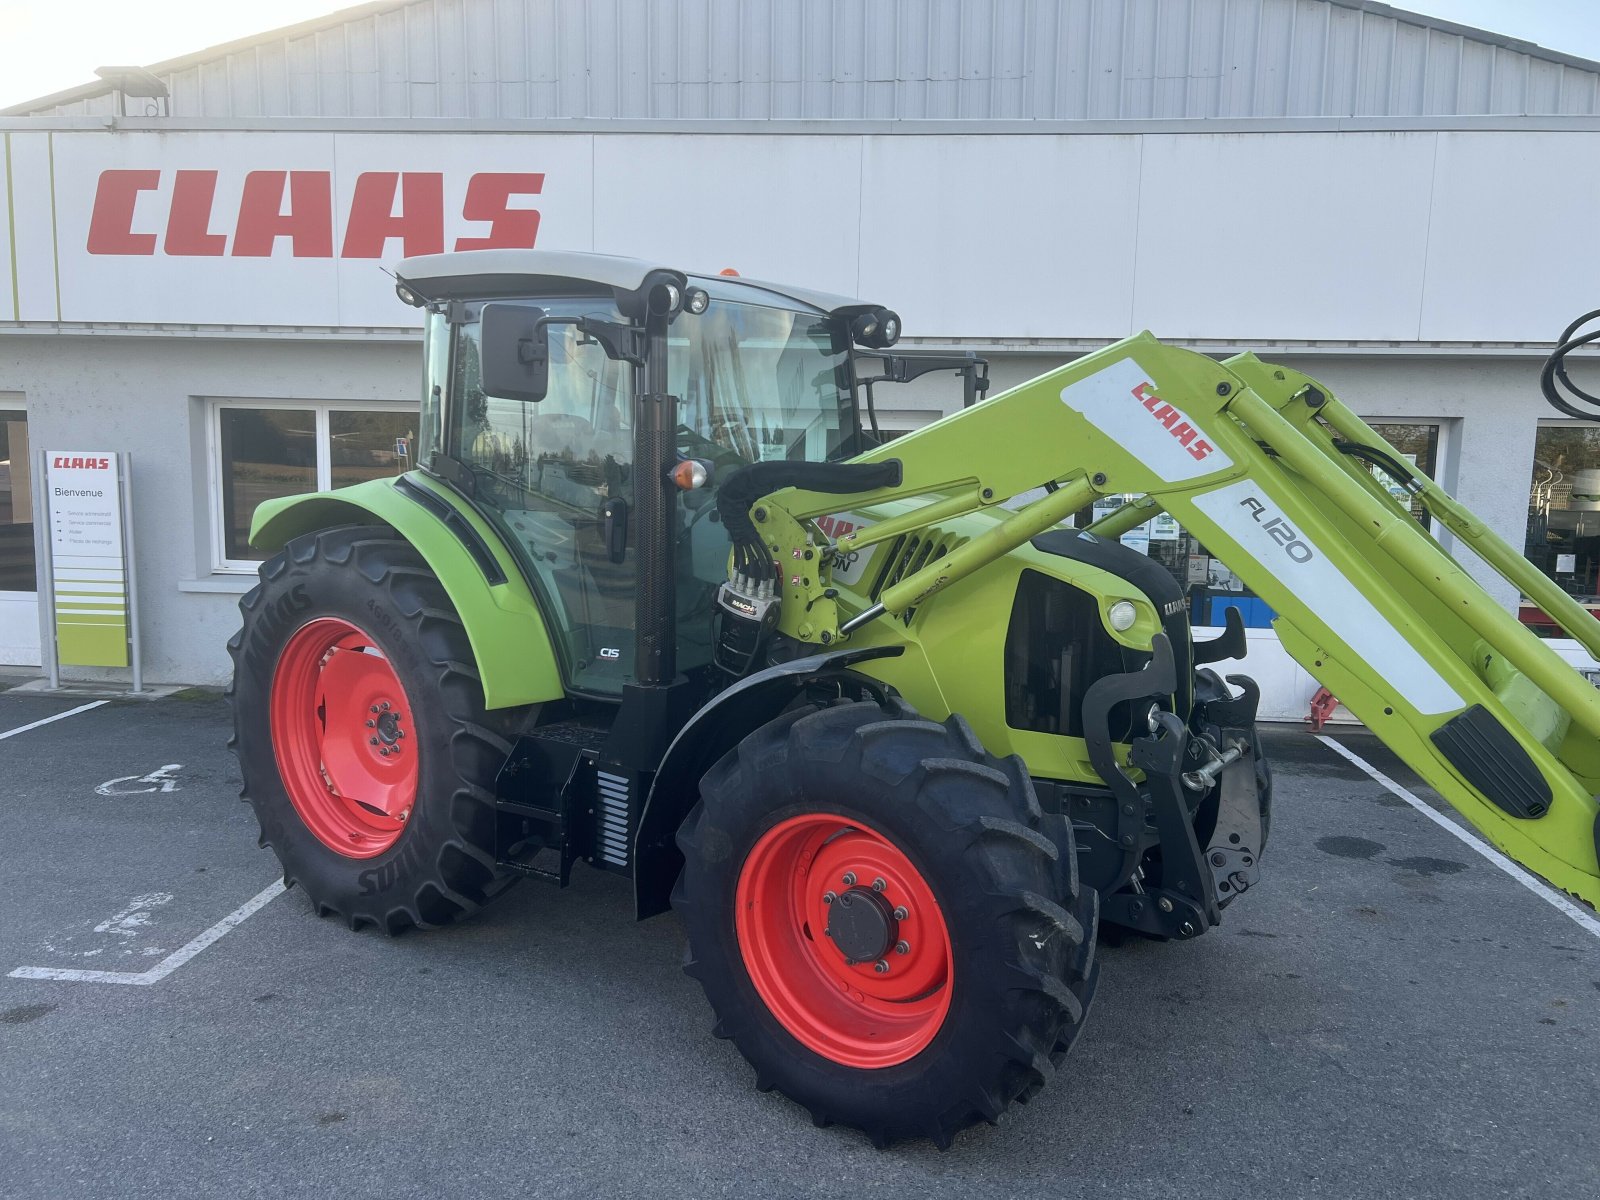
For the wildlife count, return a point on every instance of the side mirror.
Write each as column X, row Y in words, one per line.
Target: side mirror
column 514, row 352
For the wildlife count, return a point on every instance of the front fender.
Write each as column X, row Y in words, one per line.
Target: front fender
column 515, row 658
column 722, row 724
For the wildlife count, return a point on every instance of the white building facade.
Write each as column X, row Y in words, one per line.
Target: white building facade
column 1392, row 203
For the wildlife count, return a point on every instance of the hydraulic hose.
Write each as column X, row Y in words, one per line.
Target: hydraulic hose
column 1553, row 378
column 743, row 487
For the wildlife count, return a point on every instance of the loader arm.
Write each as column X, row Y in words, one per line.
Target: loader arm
column 1265, row 466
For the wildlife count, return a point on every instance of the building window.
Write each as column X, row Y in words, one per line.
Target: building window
column 262, row 450
column 1211, row 586
column 16, row 503
column 1563, row 539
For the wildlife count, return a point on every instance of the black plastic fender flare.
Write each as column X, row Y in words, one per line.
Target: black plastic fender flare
column 733, row 715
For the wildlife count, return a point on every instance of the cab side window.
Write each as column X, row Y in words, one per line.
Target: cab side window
column 557, row 476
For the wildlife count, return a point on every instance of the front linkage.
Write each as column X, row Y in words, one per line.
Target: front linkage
column 1183, row 768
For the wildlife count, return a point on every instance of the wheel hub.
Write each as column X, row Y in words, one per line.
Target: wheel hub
column 387, row 725
column 861, row 924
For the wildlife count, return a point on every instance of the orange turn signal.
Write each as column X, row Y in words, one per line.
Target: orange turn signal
column 689, row 474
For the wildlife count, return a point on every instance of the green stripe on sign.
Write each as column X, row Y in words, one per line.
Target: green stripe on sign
column 92, row 644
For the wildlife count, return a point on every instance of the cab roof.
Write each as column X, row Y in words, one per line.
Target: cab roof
column 468, row 274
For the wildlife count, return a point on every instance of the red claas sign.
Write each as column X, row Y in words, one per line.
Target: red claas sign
column 297, row 206
column 75, row 462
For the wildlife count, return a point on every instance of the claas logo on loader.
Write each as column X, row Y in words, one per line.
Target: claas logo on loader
column 1176, row 423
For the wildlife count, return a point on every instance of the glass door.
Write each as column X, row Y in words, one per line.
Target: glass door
column 556, row 476
column 19, row 598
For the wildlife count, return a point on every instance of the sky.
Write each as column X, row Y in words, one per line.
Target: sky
column 49, row 45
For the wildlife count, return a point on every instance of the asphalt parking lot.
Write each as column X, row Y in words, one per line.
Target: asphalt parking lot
column 1387, row 1014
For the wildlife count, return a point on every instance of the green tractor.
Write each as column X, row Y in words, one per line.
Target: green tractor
column 893, row 737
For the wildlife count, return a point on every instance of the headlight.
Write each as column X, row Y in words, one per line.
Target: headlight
column 1122, row 615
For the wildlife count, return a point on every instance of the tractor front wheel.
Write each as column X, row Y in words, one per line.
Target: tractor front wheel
column 884, row 922
column 361, row 732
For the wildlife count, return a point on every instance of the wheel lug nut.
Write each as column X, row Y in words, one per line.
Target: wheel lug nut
column 399, row 733
column 370, row 724
column 384, row 706
column 372, row 741
column 384, row 752
column 881, row 966
column 374, row 708
column 878, row 885
column 901, row 913
column 902, row 947
column 828, row 897
column 849, row 879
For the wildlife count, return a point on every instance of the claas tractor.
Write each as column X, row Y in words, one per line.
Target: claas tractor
column 896, row 726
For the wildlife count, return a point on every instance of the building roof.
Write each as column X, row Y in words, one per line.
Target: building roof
column 933, row 60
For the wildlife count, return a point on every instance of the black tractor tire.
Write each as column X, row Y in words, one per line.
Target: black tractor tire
column 442, row 865
column 1021, row 970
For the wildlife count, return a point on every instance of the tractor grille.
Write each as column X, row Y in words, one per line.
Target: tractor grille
column 908, row 554
column 612, row 833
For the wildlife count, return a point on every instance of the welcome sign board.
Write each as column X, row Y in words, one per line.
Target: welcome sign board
column 88, row 582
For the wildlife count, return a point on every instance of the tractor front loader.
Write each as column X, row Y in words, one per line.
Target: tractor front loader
column 891, row 735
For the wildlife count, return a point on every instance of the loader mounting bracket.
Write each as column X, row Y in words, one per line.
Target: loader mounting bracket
column 1236, row 842
column 1229, row 643
column 1185, row 905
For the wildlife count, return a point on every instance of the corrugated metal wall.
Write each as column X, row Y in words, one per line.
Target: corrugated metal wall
column 876, row 59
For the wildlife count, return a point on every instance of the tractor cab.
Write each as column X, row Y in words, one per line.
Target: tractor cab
column 546, row 377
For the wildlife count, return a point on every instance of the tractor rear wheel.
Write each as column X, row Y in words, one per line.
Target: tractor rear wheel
column 361, row 732
column 883, row 921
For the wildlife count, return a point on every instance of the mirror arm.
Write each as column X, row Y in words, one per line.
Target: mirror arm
column 621, row 342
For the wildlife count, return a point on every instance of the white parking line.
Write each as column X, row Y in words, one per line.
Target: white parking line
column 60, row 716
column 1546, row 893
column 171, row 962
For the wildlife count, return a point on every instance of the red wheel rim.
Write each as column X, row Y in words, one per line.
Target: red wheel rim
column 873, row 1011
column 344, row 738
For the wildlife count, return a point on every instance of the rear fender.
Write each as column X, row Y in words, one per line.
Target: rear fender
column 712, row 732
column 515, row 658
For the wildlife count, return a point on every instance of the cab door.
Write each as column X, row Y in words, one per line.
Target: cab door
column 556, row 477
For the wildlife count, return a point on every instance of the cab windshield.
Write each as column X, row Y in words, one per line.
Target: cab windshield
column 758, row 384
